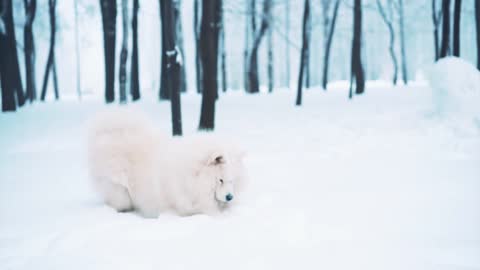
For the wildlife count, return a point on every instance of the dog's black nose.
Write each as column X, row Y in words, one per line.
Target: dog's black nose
column 229, row 197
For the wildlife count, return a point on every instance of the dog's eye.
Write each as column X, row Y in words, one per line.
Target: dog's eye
column 221, row 181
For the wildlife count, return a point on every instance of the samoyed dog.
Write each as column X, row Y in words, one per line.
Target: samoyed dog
column 134, row 166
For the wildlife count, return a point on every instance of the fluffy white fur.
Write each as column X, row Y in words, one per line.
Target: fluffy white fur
column 136, row 167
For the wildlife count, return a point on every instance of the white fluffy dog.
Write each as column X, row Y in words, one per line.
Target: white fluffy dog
column 136, row 167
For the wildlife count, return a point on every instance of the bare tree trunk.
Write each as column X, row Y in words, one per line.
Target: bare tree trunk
column 307, row 53
column 436, row 18
column 477, row 24
column 55, row 78
column 196, row 32
column 51, row 53
column 77, row 52
column 328, row 35
column 172, row 54
column 456, row 27
column 306, row 15
column 12, row 89
column 179, row 42
column 403, row 48
column 223, row 55
column 357, row 68
column 134, row 76
column 122, row 80
column 29, row 49
column 247, row 47
column 270, row 52
column 387, row 19
column 109, row 19
column 445, row 47
column 253, row 63
column 287, row 45
column 209, row 35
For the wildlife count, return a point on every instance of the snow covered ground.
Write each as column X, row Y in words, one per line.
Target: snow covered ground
column 379, row 182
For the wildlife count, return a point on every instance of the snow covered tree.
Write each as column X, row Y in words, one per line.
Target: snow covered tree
column 403, row 47
column 173, row 61
column 51, row 64
column 29, row 49
column 134, row 76
column 253, row 81
column 445, row 45
column 357, row 72
column 457, row 10
column 209, row 35
column 270, row 52
column 329, row 22
column 437, row 19
column 387, row 17
column 122, row 78
column 196, row 34
column 109, row 18
column 12, row 89
column 306, row 15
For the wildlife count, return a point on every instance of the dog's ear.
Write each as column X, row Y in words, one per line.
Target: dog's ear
column 216, row 159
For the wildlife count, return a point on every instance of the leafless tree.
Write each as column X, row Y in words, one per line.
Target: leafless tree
column 329, row 22
column 124, row 54
column 29, row 49
column 357, row 72
column 445, row 45
column 303, row 54
column 134, row 76
column 387, row 17
column 51, row 63
column 457, row 11
column 437, row 20
column 109, row 19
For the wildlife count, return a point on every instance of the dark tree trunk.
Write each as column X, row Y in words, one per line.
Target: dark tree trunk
column 306, row 14
column 246, row 50
column 196, row 31
column 51, row 54
column 477, row 23
column 29, row 49
column 456, row 27
column 109, row 19
column 436, row 18
column 164, row 89
column 122, row 72
column 12, row 88
column 253, row 63
column 357, row 72
column 209, row 35
column 307, row 53
column 403, row 47
column 172, row 57
column 223, row 55
column 445, row 29
column 134, row 78
column 179, row 42
column 270, row 52
column 328, row 45
column 387, row 19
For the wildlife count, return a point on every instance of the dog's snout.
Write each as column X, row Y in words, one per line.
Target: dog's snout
column 229, row 197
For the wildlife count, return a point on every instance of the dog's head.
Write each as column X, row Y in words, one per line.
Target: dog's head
column 224, row 174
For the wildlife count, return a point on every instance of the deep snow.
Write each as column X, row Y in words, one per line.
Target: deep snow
column 379, row 182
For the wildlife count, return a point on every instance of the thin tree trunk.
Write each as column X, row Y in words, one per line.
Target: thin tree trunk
column 270, row 52
column 387, row 19
column 179, row 36
column 328, row 45
column 122, row 80
column 164, row 89
column 477, row 23
column 356, row 67
column 456, row 27
column 55, row 78
column 287, row 45
column 134, row 77
column 109, row 18
column 403, row 48
column 172, row 76
column 307, row 53
column 445, row 29
column 29, row 49
column 51, row 52
column 436, row 18
column 77, row 52
column 253, row 64
column 306, row 15
column 209, row 35
column 223, row 55
column 196, row 31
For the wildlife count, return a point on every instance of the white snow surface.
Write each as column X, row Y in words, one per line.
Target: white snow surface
column 372, row 183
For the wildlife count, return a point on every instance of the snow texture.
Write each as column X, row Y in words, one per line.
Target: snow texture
column 372, row 183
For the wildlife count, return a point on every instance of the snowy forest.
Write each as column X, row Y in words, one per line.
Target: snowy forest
column 356, row 124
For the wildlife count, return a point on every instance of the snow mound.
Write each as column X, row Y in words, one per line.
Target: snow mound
column 455, row 85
